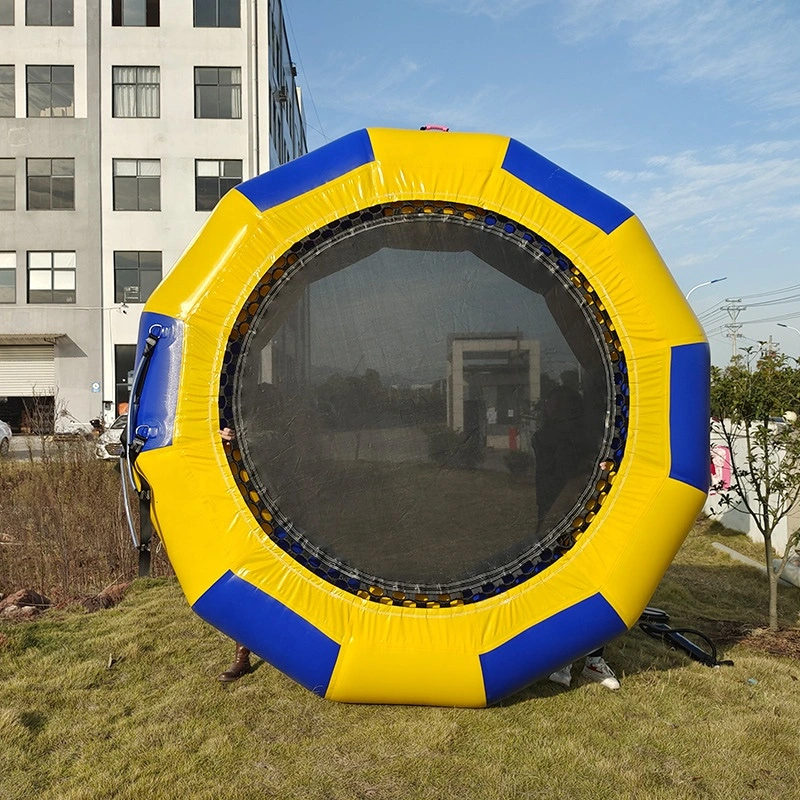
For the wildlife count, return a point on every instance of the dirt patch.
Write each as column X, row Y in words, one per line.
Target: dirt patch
column 777, row 643
column 725, row 633
column 107, row 598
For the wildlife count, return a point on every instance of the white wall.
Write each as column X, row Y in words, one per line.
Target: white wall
column 735, row 516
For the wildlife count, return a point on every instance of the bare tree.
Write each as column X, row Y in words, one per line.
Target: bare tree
column 754, row 402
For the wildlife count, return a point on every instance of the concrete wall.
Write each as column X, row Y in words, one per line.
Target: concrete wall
column 735, row 516
column 78, row 356
column 95, row 324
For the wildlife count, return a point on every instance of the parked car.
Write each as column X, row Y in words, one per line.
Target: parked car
column 5, row 438
column 67, row 426
column 108, row 442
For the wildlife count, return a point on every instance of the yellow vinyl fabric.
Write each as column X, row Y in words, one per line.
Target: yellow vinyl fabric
column 347, row 647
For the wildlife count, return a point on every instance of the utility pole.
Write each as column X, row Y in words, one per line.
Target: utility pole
column 734, row 309
column 771, row 348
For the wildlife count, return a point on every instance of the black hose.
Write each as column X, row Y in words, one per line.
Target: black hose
column 676, row 638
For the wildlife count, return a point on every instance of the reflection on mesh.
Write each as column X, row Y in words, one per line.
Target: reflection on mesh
column 430, row 402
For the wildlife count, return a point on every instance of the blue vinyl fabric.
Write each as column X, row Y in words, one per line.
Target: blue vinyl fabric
column 543, row 648
column 309, row 171
column 564, row 188
column 160, row 385
column 271, row 630
column 690, row 414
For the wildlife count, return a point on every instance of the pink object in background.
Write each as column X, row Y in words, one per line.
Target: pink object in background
column 721, row 468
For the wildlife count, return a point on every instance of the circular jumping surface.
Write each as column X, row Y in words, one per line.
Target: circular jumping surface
column 470, row 408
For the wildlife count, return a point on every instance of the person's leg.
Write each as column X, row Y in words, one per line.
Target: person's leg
column 596, row 669
column 563, row 676
column 240, row 666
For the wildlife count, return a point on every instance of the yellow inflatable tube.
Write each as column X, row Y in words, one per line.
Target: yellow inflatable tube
column 358, row 643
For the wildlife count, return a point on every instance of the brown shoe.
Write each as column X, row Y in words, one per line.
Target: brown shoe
column 240, row 666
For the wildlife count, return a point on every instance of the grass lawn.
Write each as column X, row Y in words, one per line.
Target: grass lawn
column 124, row 703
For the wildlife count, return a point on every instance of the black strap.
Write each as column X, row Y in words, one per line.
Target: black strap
column 131, row 449
column 675, row 637
column 145, row 531
column 139, row 437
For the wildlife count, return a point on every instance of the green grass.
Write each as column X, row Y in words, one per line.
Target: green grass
column 156, row 723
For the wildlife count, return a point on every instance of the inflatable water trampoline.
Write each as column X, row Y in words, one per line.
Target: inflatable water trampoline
column 471, row 416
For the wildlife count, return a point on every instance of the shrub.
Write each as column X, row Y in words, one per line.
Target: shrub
column 62, row 524
column 454, row 449
column 519, row 463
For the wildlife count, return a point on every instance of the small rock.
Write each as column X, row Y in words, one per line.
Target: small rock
column 107, row 598
column 19, row 613
column 25, row 597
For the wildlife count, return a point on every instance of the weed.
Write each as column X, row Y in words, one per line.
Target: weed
column 62, row 525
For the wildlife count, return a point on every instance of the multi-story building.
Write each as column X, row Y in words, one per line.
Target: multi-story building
column 122, row 123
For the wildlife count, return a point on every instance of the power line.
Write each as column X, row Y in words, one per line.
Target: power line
column 792, row 298
column 321, row 129
column 792, row 288
column 711, row 318
column 780, row 318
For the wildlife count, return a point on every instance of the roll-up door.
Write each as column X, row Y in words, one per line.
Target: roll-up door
column 27, row 370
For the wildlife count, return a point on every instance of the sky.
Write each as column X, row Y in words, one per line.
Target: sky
column 686, row 112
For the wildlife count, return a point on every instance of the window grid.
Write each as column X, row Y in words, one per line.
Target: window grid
column 136, row 91
column 137, row 184
column 212, row 179
column 51, row 90
column 8, row 277
column 135, row 13
column 8, row 184
column 49, row 12
column 218, row 92
column 217, row 14
column 136, row 274
column 51, row 184
column 6, row 12
column 51, row 277
column 7, row 94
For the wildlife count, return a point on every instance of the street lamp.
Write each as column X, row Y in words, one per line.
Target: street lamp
column 790, row 327
column 707, row 283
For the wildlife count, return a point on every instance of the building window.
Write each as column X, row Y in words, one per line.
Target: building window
column 124, row 365
column 138, row 13
column 7, row 90
column 137, row 184
column 51, row 277
column 6, row 12
column 8, row 184
column 8, row 277
column 48, row 12
column 51, row 183
column 217, row 13
column 218, row 92
column 136, row 274
column 212, row 179
column 136, row 91
column 51, row 91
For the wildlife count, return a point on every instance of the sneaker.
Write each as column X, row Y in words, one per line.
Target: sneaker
column 597, row 670
column 562, row 676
